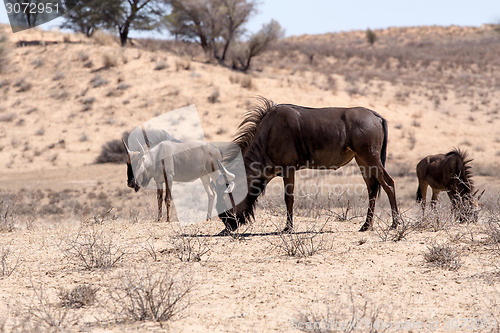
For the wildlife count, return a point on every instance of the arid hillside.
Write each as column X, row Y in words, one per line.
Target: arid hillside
column 75, row 241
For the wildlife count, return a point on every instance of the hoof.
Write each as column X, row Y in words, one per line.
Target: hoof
column 365, row 227
column 224, row 232
column 394, row 225
column 287, row 229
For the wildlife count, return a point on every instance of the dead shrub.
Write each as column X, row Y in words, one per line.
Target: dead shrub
column 148, row 295
column 384, row 230
column 214, row 96
column 7, row 117
column 349, row 314
column 109, row 60
column 160, row 65
column 7, row 216
column 78, row 297
column 443, row 256
column 82, row 56
column 303, row 243
column 112, row 152
column 46, row 316
column 92, row 249
column 190, row 245
column 246, row 82
column 182, row 64
column 37, row 62
column 22, row 85
column 7, row 264
column 4, row 50
column 97, row 81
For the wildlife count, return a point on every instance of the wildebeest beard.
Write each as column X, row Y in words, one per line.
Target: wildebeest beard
column 130, row 178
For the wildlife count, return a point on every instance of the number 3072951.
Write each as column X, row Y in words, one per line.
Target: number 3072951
column 32, row 8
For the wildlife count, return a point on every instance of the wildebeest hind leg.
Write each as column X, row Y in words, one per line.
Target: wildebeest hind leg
column 289, row 184
column 377, row 170
column 168, row 200
column 373, row 187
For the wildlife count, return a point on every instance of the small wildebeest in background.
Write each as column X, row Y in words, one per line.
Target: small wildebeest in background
column 277, row 140
column 151, row 139
column 171, row 161
column 452, row 173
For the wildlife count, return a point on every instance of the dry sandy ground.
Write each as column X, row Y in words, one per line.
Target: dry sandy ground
column 53, row 128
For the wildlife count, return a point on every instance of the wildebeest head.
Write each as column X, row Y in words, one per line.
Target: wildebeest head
column 132, row 159
column 144, row 166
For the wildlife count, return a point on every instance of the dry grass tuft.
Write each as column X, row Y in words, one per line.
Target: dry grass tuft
column 78, row 297
column 443, row 256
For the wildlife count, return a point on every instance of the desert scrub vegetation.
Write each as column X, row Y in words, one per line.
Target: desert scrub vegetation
column 244, row 80
column 92, row 248
column 3, row 52
column 45, row 314
column 191, row 245
column 112, row 152
column 150, row 295
column 8, row 262
column 393, row 58
column 443, row 256
column 78, row 297
column 350, row 313
column 313, row 240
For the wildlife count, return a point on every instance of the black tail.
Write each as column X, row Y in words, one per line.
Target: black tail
column 383, row 152
column 419, row 194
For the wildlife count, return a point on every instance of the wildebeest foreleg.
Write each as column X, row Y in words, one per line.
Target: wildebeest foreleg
column 159, row 197
column 205, row 180
column 434, row 199
column 289, row 184
column 168, row 200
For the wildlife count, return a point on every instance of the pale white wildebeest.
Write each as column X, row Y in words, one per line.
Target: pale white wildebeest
column 171, row 161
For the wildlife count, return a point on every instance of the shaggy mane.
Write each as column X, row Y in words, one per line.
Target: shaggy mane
column 248, row 127
column 466, row 174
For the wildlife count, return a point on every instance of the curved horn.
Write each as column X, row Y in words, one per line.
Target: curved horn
column 126, row 147
column 228, row 174
column 142, row 148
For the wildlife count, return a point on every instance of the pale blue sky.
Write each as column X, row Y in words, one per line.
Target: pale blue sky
column 321, row 16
